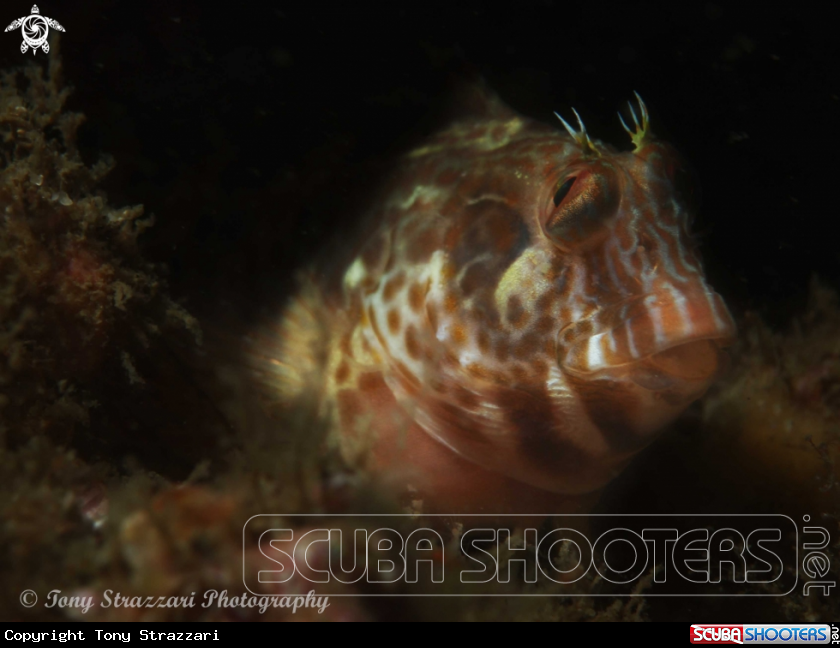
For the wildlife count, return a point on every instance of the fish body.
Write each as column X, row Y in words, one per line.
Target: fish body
column 523, row 311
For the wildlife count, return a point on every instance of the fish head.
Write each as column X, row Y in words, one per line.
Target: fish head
column 565, row 316
column 648, row 323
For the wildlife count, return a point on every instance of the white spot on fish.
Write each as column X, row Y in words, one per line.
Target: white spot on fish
column 355, row 274
column 681, row 303
column 594, row 353
column 656, row 318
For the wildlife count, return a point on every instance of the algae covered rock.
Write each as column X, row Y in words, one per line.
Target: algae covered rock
column 81, row 311
column 775, row 421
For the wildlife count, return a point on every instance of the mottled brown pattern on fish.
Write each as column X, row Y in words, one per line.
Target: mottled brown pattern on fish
column 507, row 326
column 415, row 297
column 411, row 343
column 393, row 321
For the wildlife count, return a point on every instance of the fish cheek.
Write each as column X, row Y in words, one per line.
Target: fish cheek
column 489, row 227
column 612, row 408
column 533, row 421
column 542, row 453
column 495, row 233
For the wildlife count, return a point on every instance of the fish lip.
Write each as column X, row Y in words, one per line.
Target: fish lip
column 624, row 334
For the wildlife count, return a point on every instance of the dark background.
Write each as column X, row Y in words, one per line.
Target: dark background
column 252, row 130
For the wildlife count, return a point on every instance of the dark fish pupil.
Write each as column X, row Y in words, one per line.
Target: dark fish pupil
column 562, row 191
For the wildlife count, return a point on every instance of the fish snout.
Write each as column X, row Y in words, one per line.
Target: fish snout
column 670, row 336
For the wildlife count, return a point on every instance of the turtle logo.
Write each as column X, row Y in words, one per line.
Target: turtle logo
column 35, row 29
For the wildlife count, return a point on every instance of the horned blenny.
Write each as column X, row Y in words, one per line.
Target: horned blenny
column 523, row 311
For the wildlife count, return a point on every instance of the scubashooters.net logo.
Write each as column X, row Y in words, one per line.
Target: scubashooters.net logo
column 815, row 563
column 35, row 29
column 629, row 555
column 799, row 634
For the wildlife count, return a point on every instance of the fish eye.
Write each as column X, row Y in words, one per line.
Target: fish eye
column 563, row 190
column 580, row 207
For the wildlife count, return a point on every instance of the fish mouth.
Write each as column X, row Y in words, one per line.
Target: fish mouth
column 658, row 340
